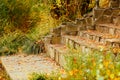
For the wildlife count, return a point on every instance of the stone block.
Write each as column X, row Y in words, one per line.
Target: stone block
column 56, row 30
column 116, row 21
column 57, row 56
column 89, row 21
column 62, row 60
column 84, row 23
column 71, row 27
column 56, row 40
column 97, row 13
column 63, row 30
column 80, row 33
column 105, row 29
column 112, row 31
column 117, row 31
column 77, row 46
column 115, row 12
column 117, row 45
column 97, row 39
column 114, row 3
column 78, row 21
column 91, row 37
column 103, row 19
column 83, row 48
column 106, row 19
column 47, row 39
column 102, row 40
column 99, row 28
column 51, row 52
column 113, row 42
column 107, row 11
column 63, row 41
column 71, row 43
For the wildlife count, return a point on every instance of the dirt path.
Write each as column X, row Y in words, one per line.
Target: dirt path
column 20, row 66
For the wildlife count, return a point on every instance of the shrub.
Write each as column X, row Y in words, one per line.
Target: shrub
column 21, row 14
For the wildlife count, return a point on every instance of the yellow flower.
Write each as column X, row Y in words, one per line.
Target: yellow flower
column 111, row 66
column 112, row 76
column 108, row 72
column 94, row 64
column 116, row 79
column 75, row 71
column 71, row 72
column 106, row 63
column 59, row 78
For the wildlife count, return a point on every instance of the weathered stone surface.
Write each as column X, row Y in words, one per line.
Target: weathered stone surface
column 59, row 51
column 89, row 21
column 47, row 39
column 56, row 30
column 97, row 13
column 50, row 51
column 103, row 19
column 19, row 67
column 63, row 30
column 112, row 31
column 117, row 31
column 114, row 3
column 56, row 40
column 116, row 21
column 113, row 42
column 69, row 29
column 71, row 26
column 62, row 60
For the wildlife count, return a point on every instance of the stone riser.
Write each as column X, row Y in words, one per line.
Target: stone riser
column 113, row 30
column 92, row 37
column 101, row 39
column 59, row 56
column 83, row 45
column 102, row 15
column 54, row 53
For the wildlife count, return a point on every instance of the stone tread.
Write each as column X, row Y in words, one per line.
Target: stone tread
column 86, row 42
column 18, row 67
column 99, row 34
column 109, row 25
column 59, row 47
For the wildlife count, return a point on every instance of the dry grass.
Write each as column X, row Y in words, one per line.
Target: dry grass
column 3, row 74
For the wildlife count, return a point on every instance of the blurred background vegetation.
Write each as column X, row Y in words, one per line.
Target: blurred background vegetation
column 22, row 22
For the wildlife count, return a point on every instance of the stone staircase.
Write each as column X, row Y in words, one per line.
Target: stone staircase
column 95, row 31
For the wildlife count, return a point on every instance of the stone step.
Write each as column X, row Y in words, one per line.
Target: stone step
column 108, row 28
column 108, row 39
column 57, row 53
column 83, row 44
column 105, row 15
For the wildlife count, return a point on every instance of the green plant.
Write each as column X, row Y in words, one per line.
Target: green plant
column 21, row 14
column 96, row 65
column 35, row 76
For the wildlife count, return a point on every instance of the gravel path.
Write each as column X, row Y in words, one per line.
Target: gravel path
column 19, row 67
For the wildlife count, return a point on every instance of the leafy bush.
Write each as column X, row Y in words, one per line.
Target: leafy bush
column 13, row 42
column 21, row 14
